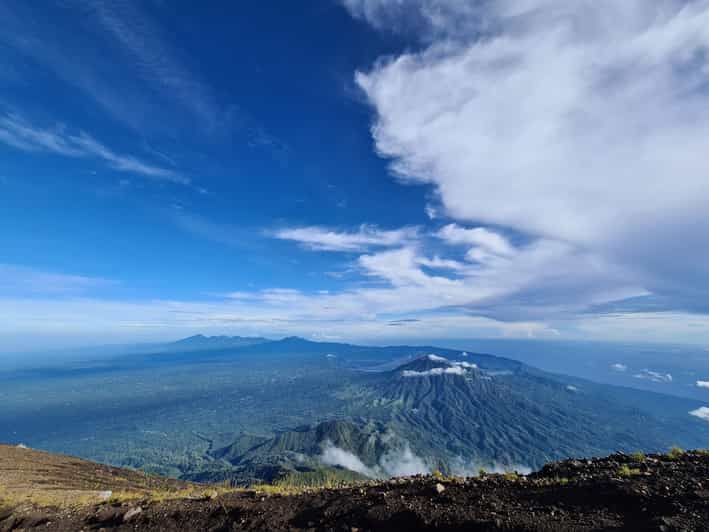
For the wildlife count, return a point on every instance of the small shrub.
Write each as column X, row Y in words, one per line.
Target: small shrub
column 638, row 456
column 625, row 471
column 438, row 475
column 482, row 472
column 510, row 475
column 675, row 453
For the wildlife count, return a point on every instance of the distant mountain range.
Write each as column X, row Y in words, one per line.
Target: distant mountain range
column 455, row 412
column 200, row 342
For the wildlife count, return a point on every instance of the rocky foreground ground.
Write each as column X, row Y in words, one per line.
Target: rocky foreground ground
column 620, row 492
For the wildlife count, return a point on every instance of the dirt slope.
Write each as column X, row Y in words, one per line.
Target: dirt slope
column 619, row 492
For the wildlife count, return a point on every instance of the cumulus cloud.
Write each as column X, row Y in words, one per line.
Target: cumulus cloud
column 702, row 413
column 578, row 124
column 325, row 239
column 654, row 376
column 619, row 367
column 702, row 384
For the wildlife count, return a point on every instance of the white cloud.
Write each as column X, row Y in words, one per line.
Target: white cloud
column 581, row 124
column 654, row 376
column 434, row 372
column 402, row 463
column 487, row 240
column 702, row 413
column 397, row 461
column 619, row 367
column 15, row 131
column 367, row 236
column 703, row 384
column 437, row 262
column 462, row 364
column 337, row 456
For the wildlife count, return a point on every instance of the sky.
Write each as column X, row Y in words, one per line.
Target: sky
column 353, row 170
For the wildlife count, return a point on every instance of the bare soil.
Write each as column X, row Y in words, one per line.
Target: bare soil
column 619, row 492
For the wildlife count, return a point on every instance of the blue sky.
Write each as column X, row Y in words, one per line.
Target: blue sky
column 353, row 170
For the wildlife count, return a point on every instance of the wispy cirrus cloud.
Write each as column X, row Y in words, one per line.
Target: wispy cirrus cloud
column 120, row 56
column 365, row 237
column 157, row 63
column 17, row 132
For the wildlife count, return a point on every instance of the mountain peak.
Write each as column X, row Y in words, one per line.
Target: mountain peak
column 433, row 365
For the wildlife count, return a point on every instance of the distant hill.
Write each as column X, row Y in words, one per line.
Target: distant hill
column 343, row 449
column 200, row 342
column 458, row 415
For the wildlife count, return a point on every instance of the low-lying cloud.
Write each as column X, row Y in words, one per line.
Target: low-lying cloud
column 398, row 461
column 336, row 456
column 402, row 463
column 702, row 413
column 654, row 376
column 434, row 372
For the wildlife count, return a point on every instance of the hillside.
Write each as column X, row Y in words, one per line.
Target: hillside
column 28, row 475
column 620, row 492
column 455, row 416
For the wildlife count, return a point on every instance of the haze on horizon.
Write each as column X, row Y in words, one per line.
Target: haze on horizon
column 357, row 170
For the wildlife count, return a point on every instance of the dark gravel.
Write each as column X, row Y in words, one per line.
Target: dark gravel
column 619, row 492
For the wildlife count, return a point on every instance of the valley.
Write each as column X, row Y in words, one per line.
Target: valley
column 300, row 412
